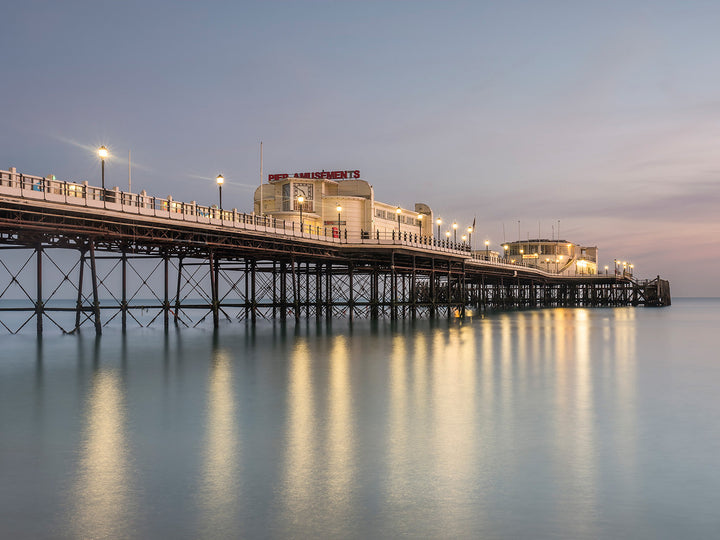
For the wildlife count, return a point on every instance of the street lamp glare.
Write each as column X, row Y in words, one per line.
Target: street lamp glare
column 455, row 225
column 301, row 199
column 338, row 208
column 487, row 242
column 438, row 221
column 220, row 179
column 398, row 211
column 103, row 152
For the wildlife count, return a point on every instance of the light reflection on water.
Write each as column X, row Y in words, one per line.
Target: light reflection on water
column 104, row 503
column 535, row 424
column 219, row 491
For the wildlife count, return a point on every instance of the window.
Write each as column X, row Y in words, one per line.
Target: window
column 286, row 197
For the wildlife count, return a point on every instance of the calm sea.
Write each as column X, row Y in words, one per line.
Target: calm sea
column 557, row 423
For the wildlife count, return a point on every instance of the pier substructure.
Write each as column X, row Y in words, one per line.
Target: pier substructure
column 91, row 270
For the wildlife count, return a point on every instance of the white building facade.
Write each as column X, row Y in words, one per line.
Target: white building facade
column 558, row 256
column 339, row 201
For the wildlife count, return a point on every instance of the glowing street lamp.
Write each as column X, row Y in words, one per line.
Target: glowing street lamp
column 220, row 181
column 487, row 250
column 470, row 231
column 606, row 269
column 103, row 153
column 464, row 238
column 339, row 209
column 447, row 235
column 455, row 226
column 439, row 222
column 398, row 212
column 505, row 248
column 419, row 220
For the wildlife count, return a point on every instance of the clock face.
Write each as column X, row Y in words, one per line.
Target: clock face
column 303, row 190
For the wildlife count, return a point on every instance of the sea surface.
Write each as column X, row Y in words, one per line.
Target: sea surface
column 555, row 423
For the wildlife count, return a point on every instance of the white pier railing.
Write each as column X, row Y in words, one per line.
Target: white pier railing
column 14, row 184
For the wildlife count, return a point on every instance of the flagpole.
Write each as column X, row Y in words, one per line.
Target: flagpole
column 261, row 179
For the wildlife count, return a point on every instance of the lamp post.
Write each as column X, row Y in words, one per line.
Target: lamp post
column 419, row 220
column 470, row 231
column 300, row 201
column 487, row 250
column 398, row 212
column 606, row 270
column 447, row 235
column 103, row 153
column 464, row 239
column 455, row 231
column 505, row 249
column 220, row 181
column 339, row 209
column 439, row 222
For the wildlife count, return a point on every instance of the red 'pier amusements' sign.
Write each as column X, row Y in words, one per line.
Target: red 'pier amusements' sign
column 317, row 175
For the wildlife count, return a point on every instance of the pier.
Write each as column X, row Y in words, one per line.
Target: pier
column 156, row 261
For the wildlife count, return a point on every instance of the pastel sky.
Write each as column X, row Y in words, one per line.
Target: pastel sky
column 603, row 115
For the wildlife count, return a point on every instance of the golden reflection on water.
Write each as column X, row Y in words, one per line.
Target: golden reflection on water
column 398, row 444
column 624, row 368
column 341, row 434
column 575, row 414
column 301, row 430
column 103, row 500
column 455, row 428
column 510, row 327
column 219, row 491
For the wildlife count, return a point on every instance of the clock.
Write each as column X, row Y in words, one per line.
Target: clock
column 303, row 190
